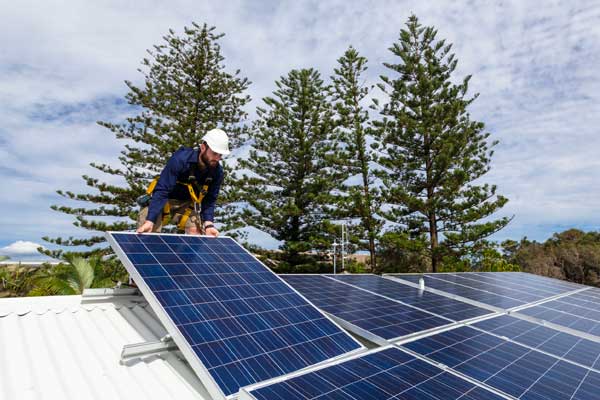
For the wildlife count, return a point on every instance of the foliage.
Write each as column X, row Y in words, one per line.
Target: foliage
column 355, row 267
column 573, row 255
column 15, row 280
column 431, row 150
column 288, row 176
column 399, row 253
column 353, row 157
column 186, row 92
column 66, row 278
column 306, row 262
column 76, row 275
column 486, row 259
column 4, row 258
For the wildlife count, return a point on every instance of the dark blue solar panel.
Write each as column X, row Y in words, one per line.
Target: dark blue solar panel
column 241, row 320
column 382, row 317
column 509, row 367
column 560, row 344
column 440, row 305
column 499, row 289
column 387, row 374
column 579, row 311
column 522, row 281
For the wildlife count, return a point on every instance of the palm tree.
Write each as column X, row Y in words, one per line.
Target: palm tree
column 73, row 277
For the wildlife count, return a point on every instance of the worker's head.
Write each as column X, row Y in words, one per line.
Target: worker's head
column 215, row 144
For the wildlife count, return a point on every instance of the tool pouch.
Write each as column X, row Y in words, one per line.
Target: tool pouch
column 144, row 200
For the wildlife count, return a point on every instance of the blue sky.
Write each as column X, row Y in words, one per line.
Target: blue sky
column 63, row 64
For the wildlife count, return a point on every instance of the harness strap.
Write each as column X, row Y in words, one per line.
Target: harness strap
column 184, row 218
column 152, row 186
column 197, row 199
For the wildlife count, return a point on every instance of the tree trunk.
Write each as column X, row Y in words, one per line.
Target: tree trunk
column 367, row 212
column 434, row 241
column 372, row 251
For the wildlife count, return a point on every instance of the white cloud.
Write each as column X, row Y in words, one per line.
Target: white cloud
column 63, row 64
column 20, row 248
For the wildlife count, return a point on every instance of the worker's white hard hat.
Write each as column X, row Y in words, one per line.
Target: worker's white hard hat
column 217, row 140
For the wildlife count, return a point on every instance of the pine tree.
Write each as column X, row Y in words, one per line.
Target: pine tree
column 359, row 200
column 432, row 151
column 288, row 179
column 186, row 92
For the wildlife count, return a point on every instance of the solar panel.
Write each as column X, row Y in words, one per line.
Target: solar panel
column 378, row 375
column 564, row 345
column 509, row 367
column 434, row 303
column 542, row 285
column 579, row 311
column 236, row 322
column 503, row 290
column 446, row 285
column 385, row 319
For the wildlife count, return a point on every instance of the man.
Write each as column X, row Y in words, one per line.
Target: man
column 189, row 173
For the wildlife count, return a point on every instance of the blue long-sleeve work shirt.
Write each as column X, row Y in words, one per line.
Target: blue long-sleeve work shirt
column 178, row 169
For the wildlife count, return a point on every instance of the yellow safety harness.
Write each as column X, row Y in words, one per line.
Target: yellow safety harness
column 196, row 199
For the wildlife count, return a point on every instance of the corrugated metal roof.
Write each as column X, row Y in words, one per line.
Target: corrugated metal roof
column 69, row 347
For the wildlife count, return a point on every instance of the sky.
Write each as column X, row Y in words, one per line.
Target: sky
column 63, row 65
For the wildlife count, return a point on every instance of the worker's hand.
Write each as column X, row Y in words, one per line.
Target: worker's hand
column 146, row 227
column 210, row 230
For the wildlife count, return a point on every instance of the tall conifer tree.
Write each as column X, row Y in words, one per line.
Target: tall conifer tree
column 432, row 151
column 186, row 92
column 359, row 200
column 289, row 176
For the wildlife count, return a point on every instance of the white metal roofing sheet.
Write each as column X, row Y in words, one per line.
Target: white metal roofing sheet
column 59, row 347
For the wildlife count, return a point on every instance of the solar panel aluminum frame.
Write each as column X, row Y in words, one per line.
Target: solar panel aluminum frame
column 445, row 328
column 556, row 327
column 201, row 371
column 371, row 337
column 537, row 302
column 482, row 383
column 540, row 302
column 566, row 329
column 363, row 333
column 561, row 358
column 246, row 391
column 454, row 372
column 451, row 321
column 397, row 278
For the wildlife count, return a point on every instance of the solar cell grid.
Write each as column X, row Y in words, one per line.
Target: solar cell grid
column 242, row 321
column 503, row 285
column 476, row 294
column 497, row 286
column 509, row 367
column 386, row 374
column 501, row 289
column 592, row 294
column 560, row 344
column 524, row 281
column 440, row 305
column 579, row 311
column 384, row 318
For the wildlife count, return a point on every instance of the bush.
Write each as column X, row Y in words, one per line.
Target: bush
column 399, row 253
column 356, row 267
